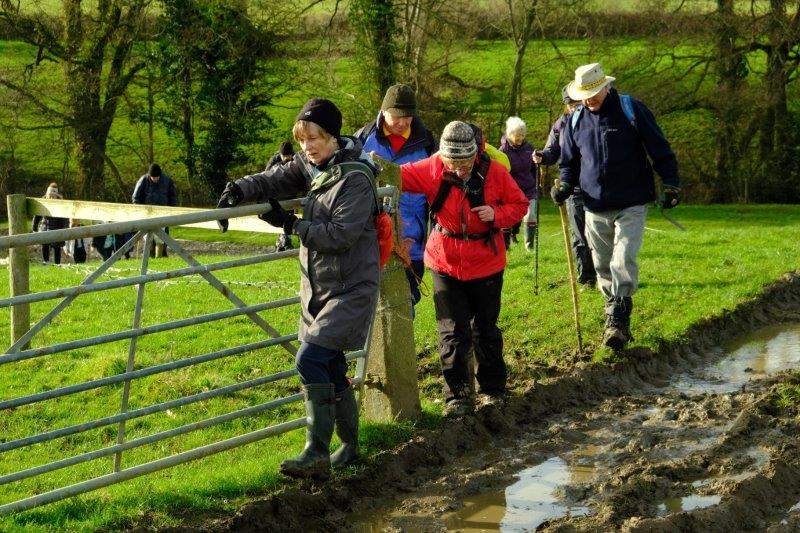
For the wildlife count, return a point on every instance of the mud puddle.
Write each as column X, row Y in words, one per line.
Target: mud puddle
column 526, row 504
column 667, row 452
column 687, row 503
column 764, row 352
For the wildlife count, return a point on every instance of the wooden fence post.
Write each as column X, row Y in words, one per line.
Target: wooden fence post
column 392, row 392
column 18, row 266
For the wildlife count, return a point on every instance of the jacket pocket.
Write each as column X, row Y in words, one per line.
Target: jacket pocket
column 326, row 268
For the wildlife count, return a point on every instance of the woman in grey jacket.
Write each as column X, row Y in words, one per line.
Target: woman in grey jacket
column 339, row 271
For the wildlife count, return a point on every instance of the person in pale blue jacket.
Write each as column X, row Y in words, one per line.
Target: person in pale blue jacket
column 399, row 135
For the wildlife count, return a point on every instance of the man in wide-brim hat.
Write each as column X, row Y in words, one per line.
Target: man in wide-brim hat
column 610, row 148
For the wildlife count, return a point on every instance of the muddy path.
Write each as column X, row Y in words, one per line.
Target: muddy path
column 658, row 461
column 657, row 442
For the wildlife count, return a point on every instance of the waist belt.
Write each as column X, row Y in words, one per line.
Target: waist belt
column 486, row 236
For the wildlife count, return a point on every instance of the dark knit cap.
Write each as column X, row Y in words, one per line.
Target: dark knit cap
column 400, row 100
column 324, row 114
column 286, row 148
column 154, row 171
column 565, row 95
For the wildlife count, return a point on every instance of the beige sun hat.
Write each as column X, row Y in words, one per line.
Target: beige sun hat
column 589, row 80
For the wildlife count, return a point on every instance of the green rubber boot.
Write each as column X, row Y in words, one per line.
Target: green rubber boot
column 346, row 429
column 314, row 461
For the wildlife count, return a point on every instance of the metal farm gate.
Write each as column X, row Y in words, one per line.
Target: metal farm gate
column 146, row 230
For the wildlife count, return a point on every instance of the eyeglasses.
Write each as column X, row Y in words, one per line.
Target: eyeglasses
column 457, row 164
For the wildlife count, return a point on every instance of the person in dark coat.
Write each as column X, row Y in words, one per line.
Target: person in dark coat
column 284, row 154
column 611, row 148
column 338, row 275
column 398, row 135
column 550, row 155
column 41, row 223
column 155, row 188
column 523, row 170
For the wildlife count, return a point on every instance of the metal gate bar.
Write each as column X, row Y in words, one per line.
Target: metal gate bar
column 149, row 228
column 136, row 280
column 147, row 330
column 142, row 372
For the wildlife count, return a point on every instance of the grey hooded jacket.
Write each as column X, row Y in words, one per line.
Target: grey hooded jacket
column 339, row 246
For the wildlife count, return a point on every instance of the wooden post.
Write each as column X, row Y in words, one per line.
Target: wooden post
column 393, row 391
column 18, row 266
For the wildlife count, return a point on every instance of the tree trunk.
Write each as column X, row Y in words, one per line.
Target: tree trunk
column 187, row 125
column 151, row 156
column 520, row 37
column 383, row 30
column 730, row 73
column 515, row 94
column 774, row 138
column 91, row 163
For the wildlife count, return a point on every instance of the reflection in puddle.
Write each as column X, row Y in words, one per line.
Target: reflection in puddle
column 687, row 503
column 795, row 507
column 527, row 503
column 763, row 352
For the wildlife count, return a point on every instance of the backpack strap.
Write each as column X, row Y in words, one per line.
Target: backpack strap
column 359, row 166
column 479, row 171
column 441, row 195
column 627, row 107
column 575, row 117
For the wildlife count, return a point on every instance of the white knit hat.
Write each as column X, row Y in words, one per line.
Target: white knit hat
column 458, row 141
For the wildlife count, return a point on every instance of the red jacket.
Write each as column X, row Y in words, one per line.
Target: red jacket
column 466, row 259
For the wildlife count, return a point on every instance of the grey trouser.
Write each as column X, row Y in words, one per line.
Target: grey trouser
column 615, row 238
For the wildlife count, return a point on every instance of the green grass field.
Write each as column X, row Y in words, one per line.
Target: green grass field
column 725, row 257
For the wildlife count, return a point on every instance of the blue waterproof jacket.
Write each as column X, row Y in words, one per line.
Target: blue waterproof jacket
column 607, row 156
column 419, row 145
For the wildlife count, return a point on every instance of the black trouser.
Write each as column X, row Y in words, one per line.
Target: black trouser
column 414, row 275
column 580, row 246
column 466, row 315
column 56, row 253
column 318, row 364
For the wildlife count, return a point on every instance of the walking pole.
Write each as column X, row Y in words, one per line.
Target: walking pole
column 562, row 209
column 536, row 231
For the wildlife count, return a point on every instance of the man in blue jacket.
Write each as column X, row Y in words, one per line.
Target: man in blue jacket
column 610, row 149
column 399, row 135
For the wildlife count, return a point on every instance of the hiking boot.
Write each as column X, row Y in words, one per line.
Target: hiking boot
column 616, row 337
column 458, row 407
column 618, row 323
column 346, row 428
column 314, row 461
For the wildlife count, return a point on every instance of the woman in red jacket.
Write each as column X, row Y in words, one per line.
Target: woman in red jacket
column 471, row 199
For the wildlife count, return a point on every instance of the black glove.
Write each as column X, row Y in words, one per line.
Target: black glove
column 670, row 197
column 231, row 196
column 279, row 217
column 559, row 193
